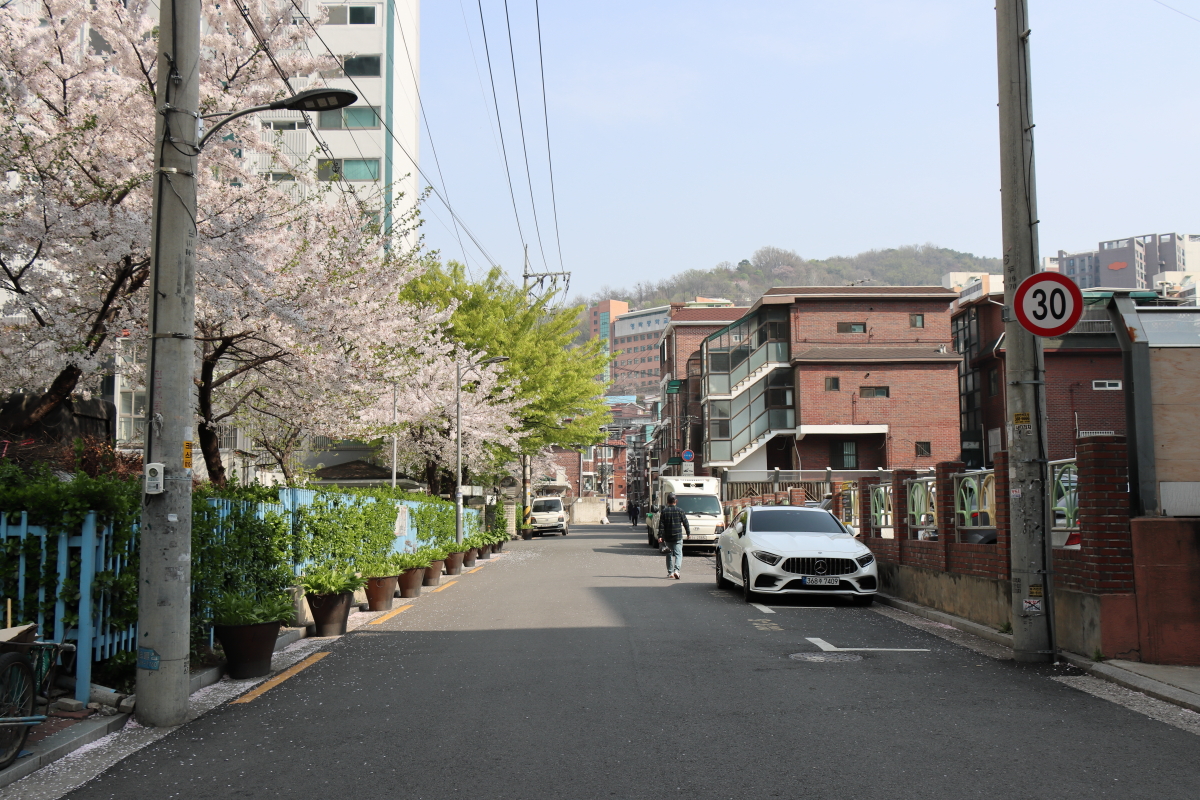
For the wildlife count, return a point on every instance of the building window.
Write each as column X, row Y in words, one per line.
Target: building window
column 924, row 449
column 916, row 320
column 852, row 327
column 353, row 118
column 993, row 382
column 843, row 455
column 833, row 384
column 285, row 125
column 351, row 169
column 351, row 15
column 356, row 67
column 1106, row 385
column 874, row 391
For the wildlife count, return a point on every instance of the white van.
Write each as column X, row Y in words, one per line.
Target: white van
column 548, row 515
column 699, row 498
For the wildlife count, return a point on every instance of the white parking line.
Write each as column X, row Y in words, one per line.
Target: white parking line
column 763, row 608
column 827, row 647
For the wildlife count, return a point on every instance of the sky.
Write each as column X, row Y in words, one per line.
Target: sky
column 687, row 133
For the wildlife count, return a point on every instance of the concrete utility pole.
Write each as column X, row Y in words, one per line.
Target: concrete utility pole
column 165, row 571
column 1032, row 612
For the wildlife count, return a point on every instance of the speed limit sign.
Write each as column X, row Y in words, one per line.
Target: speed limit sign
column 1048, row 304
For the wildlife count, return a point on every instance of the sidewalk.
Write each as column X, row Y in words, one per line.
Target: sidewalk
column 82, row 737
column 1177, row 685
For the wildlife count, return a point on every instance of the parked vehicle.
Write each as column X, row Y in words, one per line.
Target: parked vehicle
column 699, row 498
column 549, row 516
column 795, row 550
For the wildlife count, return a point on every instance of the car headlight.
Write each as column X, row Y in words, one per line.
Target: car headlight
column 719, row 529
column 767, row 558
column 560, row 519
column 865, row 560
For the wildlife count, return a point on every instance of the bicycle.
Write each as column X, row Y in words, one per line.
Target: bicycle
column 26, row 670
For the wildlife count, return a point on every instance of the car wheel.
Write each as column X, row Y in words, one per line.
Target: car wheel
column 565, row 531
column 747, row 593
column 864, row 600
column 722, row 581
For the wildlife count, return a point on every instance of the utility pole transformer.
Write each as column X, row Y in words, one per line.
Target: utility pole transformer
column 165, row 570
column 1032, row 612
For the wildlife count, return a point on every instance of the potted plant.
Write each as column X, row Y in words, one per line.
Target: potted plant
column 383, row 576
column 330, row 593
column 472, row 552
column 247, row 630
column 437, row 561
column 499, row 538
column 526, row 532
column 412, row 573
column 456, row 556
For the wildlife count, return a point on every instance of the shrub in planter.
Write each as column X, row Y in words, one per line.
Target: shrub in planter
column 383, row 576
column 330, row 593
column 437, row 561
column 247, row 630
column 412, row 572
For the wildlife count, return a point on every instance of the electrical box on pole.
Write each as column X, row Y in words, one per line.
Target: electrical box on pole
column 1031, row 558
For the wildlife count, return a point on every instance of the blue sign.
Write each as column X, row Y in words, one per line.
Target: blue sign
column 147, row 658
column 687, row 455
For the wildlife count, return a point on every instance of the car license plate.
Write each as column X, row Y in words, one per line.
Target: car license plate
column 821, row 581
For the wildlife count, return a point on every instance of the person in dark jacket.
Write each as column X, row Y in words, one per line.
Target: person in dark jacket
column 672, row 527
column 635, row 511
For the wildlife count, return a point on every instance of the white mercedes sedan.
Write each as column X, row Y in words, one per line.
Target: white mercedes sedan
column 794, row 550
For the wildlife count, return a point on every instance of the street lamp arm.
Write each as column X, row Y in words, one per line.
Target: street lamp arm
column 230, row 118
column 309, row 100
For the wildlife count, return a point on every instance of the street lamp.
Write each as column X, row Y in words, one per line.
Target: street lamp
column 310, row 100
column 458, row 495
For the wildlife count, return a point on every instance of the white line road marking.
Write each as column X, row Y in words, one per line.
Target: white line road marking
column 828, row 648
column 762, row 608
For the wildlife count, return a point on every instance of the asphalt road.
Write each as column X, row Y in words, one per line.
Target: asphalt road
column 572, row 668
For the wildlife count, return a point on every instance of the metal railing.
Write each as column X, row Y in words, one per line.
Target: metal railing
column 1063, row 499
column 975, row 499
column 881, row 510
column 848, row 490
column 922, row 508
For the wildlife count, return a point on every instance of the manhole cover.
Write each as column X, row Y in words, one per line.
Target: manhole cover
column 824, row 657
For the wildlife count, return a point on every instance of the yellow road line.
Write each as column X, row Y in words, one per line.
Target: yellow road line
column 443, row 586
column 468, row 572
column 389, row 615
column 266, row 686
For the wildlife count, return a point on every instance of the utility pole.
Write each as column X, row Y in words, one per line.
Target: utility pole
column 165, row 571
column 1032, row 621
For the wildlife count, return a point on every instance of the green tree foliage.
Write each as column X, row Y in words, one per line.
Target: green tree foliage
column 746, row 281
column 563, row 383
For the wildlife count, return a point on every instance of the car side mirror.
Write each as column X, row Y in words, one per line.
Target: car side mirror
column 737, row 528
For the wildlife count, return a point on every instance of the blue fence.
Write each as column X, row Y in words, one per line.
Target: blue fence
column 93, row 546
column 93, row 549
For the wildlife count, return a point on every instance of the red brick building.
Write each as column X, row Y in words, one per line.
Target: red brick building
column 1084, row 380
column 679, row 391
column 834, row 377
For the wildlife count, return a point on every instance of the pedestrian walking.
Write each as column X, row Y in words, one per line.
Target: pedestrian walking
column 635, row 511
column 672, row 527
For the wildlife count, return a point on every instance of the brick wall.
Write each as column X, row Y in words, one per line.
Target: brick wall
column 1069, row 391
column 1105, row 561
column 887, row 319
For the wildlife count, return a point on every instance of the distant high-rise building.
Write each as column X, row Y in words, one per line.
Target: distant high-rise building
column 600, row 320
column 1130, row 263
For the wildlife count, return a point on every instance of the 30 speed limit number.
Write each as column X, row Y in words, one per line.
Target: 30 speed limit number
column 1048, row 304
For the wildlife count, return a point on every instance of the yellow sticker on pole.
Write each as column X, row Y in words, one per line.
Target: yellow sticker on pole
column 1021, row 418
column 187, row 455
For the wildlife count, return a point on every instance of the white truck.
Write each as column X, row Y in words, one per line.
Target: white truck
column 699, row 498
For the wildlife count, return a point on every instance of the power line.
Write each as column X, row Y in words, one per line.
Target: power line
column 521, row 124
column 546, row 118
column 1176, row 10
column 433, row 148
column 496, row 104
column 400, row 144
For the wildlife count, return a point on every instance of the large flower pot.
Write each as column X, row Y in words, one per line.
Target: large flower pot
column 469, row 557
column 527, row 533
column 330, row 612
column 410, row 582
column 497, row 546
column 433, row 573
column 248, row 648
column 380, row 592
column 485, row 551
column 454, row 563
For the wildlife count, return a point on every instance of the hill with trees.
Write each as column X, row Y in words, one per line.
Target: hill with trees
column 746, row 281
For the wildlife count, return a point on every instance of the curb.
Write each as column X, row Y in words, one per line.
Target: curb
column 57, row 745
column 1138, row 683
column 1122, row 677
